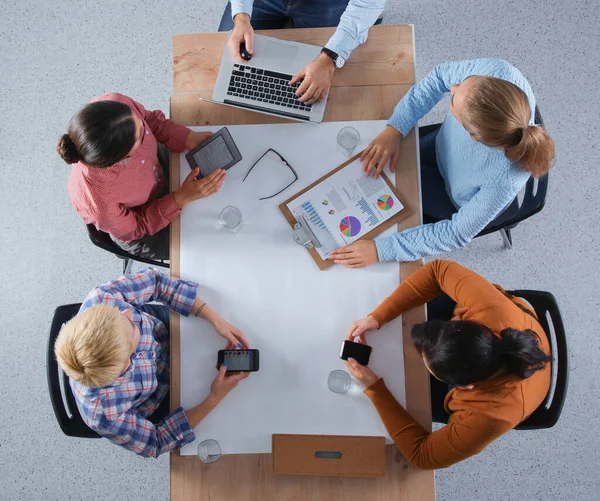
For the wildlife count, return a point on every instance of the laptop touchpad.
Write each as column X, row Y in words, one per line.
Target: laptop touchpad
column 280, row 54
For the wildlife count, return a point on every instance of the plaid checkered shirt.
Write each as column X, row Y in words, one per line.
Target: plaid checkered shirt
column 120, row 410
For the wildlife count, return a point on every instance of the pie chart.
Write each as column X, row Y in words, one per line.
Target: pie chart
column 350, row 226
column 385, row 202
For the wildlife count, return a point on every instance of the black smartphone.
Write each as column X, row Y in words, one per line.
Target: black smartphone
column 219, row 151
column 358, row 351
column 238, row 360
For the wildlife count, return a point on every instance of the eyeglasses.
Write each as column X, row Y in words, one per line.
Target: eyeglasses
column 284, row 161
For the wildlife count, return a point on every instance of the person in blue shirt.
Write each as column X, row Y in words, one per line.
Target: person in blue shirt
column 353, row 19
column 472, row 167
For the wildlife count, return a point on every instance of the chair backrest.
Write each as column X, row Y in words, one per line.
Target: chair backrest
column 101, row 239
column 532, row 201
column 65, row 409
column 548, row 313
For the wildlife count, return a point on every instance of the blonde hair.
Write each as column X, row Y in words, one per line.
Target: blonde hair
column 497, row 113
column 92, row 348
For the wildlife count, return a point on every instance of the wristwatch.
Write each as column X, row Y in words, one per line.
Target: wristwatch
column 338, row 60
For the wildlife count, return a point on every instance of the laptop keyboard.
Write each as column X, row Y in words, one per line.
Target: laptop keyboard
column 265, row 86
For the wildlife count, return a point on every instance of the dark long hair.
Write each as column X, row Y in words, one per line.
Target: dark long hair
column 461, row 352
column 99, row 135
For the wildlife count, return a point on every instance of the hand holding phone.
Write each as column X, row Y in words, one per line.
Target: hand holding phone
column 358, row 351
column 359, row 328
column 223, row 383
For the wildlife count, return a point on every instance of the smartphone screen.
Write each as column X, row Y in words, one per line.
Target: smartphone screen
column 239, row 360
column 359, row 352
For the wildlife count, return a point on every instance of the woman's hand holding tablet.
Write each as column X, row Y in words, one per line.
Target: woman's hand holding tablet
column 195, row 189
column 218, row 151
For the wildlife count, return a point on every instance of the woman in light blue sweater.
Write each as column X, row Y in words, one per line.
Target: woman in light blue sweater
column 472, row 168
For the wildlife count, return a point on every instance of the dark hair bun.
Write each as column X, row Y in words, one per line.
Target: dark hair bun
column 67, row 150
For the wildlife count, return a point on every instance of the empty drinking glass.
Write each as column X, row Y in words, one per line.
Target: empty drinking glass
column 339, row 381
column 209, row 451
column 231, row 218
column 348, row 138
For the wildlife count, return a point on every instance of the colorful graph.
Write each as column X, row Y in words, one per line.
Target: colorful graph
column 372, row 219
column 385, row 202
column 313, row 216
column 350, row 226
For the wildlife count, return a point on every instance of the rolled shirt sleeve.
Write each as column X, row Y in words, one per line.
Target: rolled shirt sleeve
column 146, row 286
column 354, row 25
column 132, row 431
column 241, row 7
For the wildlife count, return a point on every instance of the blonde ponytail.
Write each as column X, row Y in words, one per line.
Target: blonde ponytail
column 534, row 151
column 497, row 114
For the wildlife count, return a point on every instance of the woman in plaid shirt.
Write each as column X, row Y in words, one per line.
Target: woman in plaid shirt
column 116, row 354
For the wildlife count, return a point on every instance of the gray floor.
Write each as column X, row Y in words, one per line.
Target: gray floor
column 54, row 56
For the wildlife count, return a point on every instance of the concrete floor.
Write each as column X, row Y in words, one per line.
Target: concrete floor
column 55, row 55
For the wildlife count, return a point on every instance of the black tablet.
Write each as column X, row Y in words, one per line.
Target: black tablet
column 217, row 152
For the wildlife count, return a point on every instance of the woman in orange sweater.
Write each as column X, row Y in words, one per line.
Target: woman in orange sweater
column 493, row 353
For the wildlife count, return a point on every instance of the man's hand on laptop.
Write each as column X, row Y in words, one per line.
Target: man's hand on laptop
column 316, row 79
column 242, row 32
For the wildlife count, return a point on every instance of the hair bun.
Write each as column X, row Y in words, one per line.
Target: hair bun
column 67, row 150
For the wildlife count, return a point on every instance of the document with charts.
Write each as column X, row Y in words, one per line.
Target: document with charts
column 345, row 206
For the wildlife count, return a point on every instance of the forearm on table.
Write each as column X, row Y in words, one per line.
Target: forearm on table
column 406, row 433
column 419, row 288
column 198, row 413
column 201, row 309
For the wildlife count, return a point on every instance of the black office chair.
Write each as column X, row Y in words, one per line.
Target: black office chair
column 534, row 198
column 103, row 240
column 65, row 409
column 547, row 414
column 63, row 401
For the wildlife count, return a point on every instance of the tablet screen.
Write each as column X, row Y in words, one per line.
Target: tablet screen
column 215, row 155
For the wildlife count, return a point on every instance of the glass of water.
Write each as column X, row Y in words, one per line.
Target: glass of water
column 339, row 381
column 231, row 218
column 348, row 138
column 209, row 451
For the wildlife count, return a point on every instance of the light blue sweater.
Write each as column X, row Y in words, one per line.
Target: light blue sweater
column 480, row 180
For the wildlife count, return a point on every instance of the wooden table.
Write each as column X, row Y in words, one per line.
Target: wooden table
column 377, row 75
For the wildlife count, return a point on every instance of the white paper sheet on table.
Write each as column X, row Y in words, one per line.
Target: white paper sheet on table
column 296, row 315
column 344, row 207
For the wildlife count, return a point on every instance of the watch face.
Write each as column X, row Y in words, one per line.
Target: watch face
column 339, row 62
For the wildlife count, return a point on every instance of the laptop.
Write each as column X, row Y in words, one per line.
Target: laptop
column 261, row 84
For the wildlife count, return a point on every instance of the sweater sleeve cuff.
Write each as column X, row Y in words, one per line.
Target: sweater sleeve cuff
column 397, row 121
column 379, row 316
column 378, row 391
column 385, row 249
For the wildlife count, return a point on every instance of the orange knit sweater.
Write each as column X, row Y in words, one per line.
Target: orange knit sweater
column 494, row 406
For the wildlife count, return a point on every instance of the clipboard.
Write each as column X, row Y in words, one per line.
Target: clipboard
column 304, row 236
